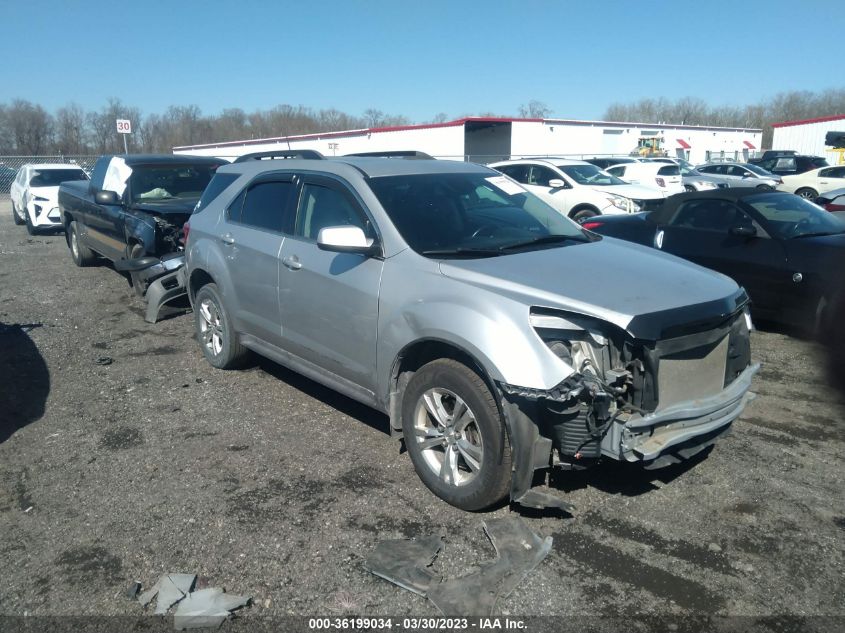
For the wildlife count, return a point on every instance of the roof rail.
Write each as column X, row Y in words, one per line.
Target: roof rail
column 309, row 154
column 399, row 153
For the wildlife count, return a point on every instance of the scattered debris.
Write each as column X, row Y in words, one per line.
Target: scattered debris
column 104, row 360
column 170, row 588
column 541, row 500
column 405, row 562
column 28, row 509
column 198, row 604
column 518, row 552
column 133, row 590
column 206, row 608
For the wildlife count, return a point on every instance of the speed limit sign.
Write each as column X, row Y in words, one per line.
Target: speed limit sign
column 124, row 126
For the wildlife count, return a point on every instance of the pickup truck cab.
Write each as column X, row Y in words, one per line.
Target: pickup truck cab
column 134, row 207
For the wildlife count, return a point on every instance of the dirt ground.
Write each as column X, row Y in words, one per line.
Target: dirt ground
column 124, row 455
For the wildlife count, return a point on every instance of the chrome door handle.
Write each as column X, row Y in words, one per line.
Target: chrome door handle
column 292, row 262
column 227, row 239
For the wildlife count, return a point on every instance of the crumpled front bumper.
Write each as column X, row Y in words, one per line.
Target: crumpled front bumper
column 688, row 426
column 165, row 278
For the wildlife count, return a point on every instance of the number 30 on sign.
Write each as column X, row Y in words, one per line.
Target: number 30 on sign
column 124, row 126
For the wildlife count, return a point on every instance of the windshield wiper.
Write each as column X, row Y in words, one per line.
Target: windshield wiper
column 545, row 239
column 462, row 252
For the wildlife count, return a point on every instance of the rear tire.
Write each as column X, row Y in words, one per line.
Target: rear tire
column 214, row 330
column 807, row 193
column 81, row 254
column 455, row 435
column 16, row 216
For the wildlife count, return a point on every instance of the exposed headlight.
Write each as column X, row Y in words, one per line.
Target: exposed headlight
column 566, row 325
column 620, row 202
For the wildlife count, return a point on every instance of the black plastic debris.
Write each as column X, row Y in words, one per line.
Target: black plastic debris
column 133, row 590
column 406, row 563
column 104, row 360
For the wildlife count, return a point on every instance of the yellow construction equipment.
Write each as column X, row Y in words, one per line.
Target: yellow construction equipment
column 648, row 146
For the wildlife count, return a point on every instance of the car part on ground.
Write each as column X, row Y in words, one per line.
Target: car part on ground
column 162, row 280
column 197, row 608
column 518, row 552
column 432, row 291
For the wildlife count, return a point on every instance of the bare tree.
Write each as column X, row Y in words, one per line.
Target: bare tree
column 30, row 127
column 535, row 110
column 70, row 130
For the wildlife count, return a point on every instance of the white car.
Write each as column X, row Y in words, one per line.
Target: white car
column 811, row 184
column 664, row 176
column 579, row 189
column 833, row 201
column 35, row 191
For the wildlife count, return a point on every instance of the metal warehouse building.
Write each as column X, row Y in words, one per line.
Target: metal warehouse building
column 807, row 136
column 484, row 139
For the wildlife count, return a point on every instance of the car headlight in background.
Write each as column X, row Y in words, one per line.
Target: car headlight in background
column 622, row 203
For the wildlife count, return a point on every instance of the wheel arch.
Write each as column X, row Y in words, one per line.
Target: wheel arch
column 199, row 277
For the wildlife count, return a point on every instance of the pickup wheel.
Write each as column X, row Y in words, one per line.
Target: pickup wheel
column 16, row 215
column 140, row 288
column 214, row 330
column 455, row 435
column 81, row 254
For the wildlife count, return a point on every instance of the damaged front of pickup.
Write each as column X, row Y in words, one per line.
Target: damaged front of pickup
column 656, row 391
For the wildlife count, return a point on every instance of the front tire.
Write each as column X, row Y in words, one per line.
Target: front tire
column 455, row 435
column 583, row 214
column 214, row 330
column 807, row 193
column 30, row 227
column 81, row 254
column 16, row 216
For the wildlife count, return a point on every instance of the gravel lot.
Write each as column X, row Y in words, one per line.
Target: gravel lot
column 268, row 484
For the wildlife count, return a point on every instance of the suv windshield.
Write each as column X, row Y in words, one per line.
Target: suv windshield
column 590, row 175
column 470, row 215
column 152, row 183
column 53, row 177
column 788, row 216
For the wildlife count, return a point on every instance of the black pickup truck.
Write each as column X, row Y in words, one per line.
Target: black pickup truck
column 132, row 212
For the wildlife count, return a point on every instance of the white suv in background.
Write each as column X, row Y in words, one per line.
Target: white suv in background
column 35, row 194
column 579, row 189
column 665, row 176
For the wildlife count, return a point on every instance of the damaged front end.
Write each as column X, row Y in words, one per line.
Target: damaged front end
column 165, row 281
column 656, row 400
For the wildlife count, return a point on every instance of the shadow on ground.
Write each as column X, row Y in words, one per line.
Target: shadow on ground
column 24, row 379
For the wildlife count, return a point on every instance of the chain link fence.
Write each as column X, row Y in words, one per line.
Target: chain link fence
column 9, row 166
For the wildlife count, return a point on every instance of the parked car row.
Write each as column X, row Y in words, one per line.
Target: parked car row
column 498, row 335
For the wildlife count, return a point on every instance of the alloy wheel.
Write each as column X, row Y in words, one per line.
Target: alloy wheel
column 211, row 327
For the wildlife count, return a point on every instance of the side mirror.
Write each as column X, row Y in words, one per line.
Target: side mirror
column 557, row 183
column 106, row 197
column 743, row 230
column 345, row 239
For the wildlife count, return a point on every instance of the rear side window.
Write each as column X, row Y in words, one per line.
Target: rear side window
column 669, row 170
column 267, row 206
column 214, row 189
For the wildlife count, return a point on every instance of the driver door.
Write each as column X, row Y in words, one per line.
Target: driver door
column 700, row 231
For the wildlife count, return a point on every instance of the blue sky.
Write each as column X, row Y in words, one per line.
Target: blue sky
column 415, row 58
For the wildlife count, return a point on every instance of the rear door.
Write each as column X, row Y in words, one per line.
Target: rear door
column 831, row 178
column 251, row 236
column 329, row 301
column 700, row 232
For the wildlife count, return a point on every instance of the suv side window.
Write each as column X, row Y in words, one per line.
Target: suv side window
column 266, row 205
column 541, row 176
column 517, row 172
column 321, row 206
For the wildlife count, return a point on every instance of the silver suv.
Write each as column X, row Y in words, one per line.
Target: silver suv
column 499, row 336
